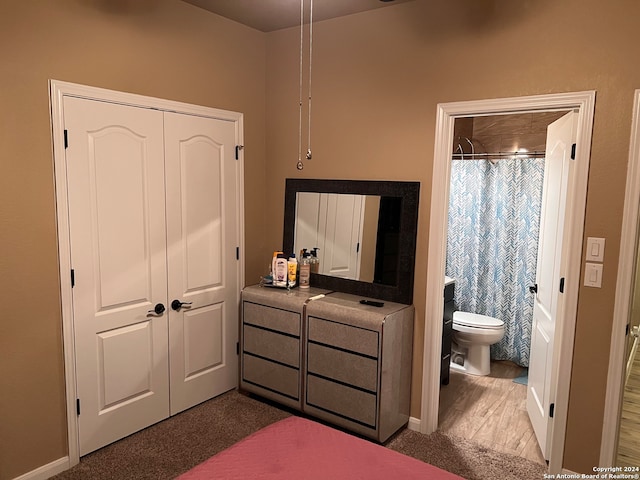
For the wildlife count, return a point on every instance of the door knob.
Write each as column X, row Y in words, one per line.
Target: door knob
column 158, row 309
column 534, row 288
column 177, row 304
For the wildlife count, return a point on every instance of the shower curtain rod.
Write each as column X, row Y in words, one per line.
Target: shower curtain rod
column 462, row 156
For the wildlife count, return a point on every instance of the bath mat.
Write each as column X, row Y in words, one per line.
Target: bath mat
column 523, row 378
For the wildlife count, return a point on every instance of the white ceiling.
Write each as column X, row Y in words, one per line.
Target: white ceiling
column 270, row 15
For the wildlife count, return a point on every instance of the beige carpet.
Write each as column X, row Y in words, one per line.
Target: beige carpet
column 173, row 446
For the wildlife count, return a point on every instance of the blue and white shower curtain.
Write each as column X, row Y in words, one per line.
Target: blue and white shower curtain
column 492, row 245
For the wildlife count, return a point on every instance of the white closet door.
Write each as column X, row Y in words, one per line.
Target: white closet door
column 340, row 234
column 202, row 232
column 115, row 169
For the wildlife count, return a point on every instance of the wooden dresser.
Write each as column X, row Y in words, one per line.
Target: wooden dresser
column 330, row 357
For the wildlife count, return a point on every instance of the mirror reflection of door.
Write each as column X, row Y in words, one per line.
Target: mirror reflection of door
column 628, row 453
column 343, row 229
column 332, row 224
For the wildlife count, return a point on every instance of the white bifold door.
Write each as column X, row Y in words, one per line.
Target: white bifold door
column 154, row 228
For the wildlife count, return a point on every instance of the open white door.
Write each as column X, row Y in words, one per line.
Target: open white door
column 115, row 177
column 202, row 233
column 548, row 301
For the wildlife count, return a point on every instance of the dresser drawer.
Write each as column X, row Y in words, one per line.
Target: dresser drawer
column 271, row 317
column 362, row 372
column 341, row 400
column 271, row 345
column 270, row 375
column 356, row 339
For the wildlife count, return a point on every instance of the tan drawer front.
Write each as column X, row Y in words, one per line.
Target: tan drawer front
column 348, row 402
column 273, row 318
column 342, row 366
column 344, row 336
column 272, row 345
column 271, row 375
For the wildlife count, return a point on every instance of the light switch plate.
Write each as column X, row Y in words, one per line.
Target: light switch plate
column 593, row 275
column 595, row 249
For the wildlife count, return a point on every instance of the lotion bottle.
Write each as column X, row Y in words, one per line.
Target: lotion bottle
column 273, row 265
column 280, row 271
column 292, row 267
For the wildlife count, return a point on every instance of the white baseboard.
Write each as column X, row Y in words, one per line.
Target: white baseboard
column 414, row 424
column 46, row 471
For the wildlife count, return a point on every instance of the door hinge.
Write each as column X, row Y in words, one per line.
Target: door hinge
column 562, row 285
column 73, row 278
column 238, row 148
column 66, row 139
column 237, row 348
column 573, row 151
column 237, row 253
column 78, row 406
column 358, row 247
column 552, row 407
column 626, row 330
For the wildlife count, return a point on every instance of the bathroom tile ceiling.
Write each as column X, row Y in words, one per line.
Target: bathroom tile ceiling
column 270, row 15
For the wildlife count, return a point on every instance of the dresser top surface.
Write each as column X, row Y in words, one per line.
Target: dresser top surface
column 295, row 297
column 347, row 308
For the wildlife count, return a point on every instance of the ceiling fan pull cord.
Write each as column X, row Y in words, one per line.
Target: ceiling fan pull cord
column 299, row 165
column 310, row 68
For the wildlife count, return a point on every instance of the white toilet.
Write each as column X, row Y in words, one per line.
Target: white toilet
column 474, row 334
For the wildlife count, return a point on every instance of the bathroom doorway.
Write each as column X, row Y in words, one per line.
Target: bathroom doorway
column 498, row 171
column 583, row 103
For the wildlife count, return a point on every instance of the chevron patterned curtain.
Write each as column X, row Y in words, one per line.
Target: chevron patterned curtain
column 492, row 245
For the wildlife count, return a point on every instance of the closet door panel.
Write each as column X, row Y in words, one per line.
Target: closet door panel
column 115, row 178
column 202, row 232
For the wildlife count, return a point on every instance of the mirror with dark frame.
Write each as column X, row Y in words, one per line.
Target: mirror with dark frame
column 364, row 232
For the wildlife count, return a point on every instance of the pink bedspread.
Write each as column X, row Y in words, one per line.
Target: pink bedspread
column 300, row 449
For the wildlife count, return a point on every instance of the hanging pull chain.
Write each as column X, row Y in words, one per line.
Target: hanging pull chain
column 299, row 165
column 310, row 68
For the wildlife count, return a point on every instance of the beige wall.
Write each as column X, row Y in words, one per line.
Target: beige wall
column 377, row 80
column 159, row 48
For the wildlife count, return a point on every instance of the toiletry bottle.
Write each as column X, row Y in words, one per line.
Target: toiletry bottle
column 273, row 265
column 314, row 260
column 305, row 270
column 280, row 272
column 292, row 267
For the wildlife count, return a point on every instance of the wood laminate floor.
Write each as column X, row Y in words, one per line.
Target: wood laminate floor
column 490, row 410
column 629, row 434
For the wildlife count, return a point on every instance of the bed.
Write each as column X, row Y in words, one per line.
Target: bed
column 299, row 449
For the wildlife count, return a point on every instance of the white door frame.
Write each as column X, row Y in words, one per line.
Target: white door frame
column 622, row 305
column 584, row 103
column 58, row 90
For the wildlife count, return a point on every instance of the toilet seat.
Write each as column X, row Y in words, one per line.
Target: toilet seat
column 475, row 320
